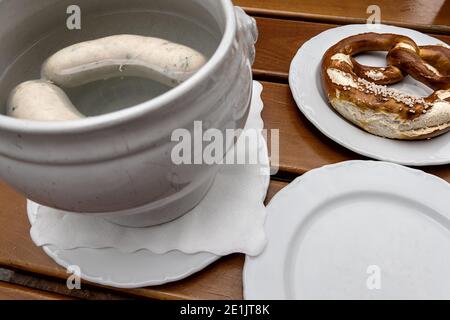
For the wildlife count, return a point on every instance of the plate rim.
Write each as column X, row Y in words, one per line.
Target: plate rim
column 298, row 98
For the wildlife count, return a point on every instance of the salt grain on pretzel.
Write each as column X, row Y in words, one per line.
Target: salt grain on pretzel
column 360, row 93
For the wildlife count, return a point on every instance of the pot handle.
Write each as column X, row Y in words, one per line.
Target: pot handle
column 248, row 30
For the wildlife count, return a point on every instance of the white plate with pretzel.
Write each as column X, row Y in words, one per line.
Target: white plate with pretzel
column 382, row 92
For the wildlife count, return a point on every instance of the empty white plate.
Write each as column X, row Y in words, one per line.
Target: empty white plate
column 111, row 267
column 356, row 230
column 305, row 83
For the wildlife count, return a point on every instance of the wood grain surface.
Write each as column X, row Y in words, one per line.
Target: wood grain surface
column 279, row 41
column 429, row 15
column 13, row 292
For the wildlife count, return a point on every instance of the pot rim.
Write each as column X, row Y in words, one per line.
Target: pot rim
column 121, row 116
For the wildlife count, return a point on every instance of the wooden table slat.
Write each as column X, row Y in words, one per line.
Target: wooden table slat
column 427, row 15
column 302, row 148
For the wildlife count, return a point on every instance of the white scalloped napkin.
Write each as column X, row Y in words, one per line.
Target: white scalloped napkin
column 229, row 219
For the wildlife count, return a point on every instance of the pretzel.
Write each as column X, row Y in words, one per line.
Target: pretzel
column 359, row 93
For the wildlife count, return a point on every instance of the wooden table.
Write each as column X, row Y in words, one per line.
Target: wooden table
column 27, row 273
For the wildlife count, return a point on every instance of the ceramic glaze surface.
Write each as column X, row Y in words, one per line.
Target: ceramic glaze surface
column 118, row 162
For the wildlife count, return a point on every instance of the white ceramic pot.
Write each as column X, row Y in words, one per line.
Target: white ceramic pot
column 118, row 164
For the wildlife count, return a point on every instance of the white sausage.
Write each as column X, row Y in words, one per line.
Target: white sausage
column 122, row 55
column 42, row 101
